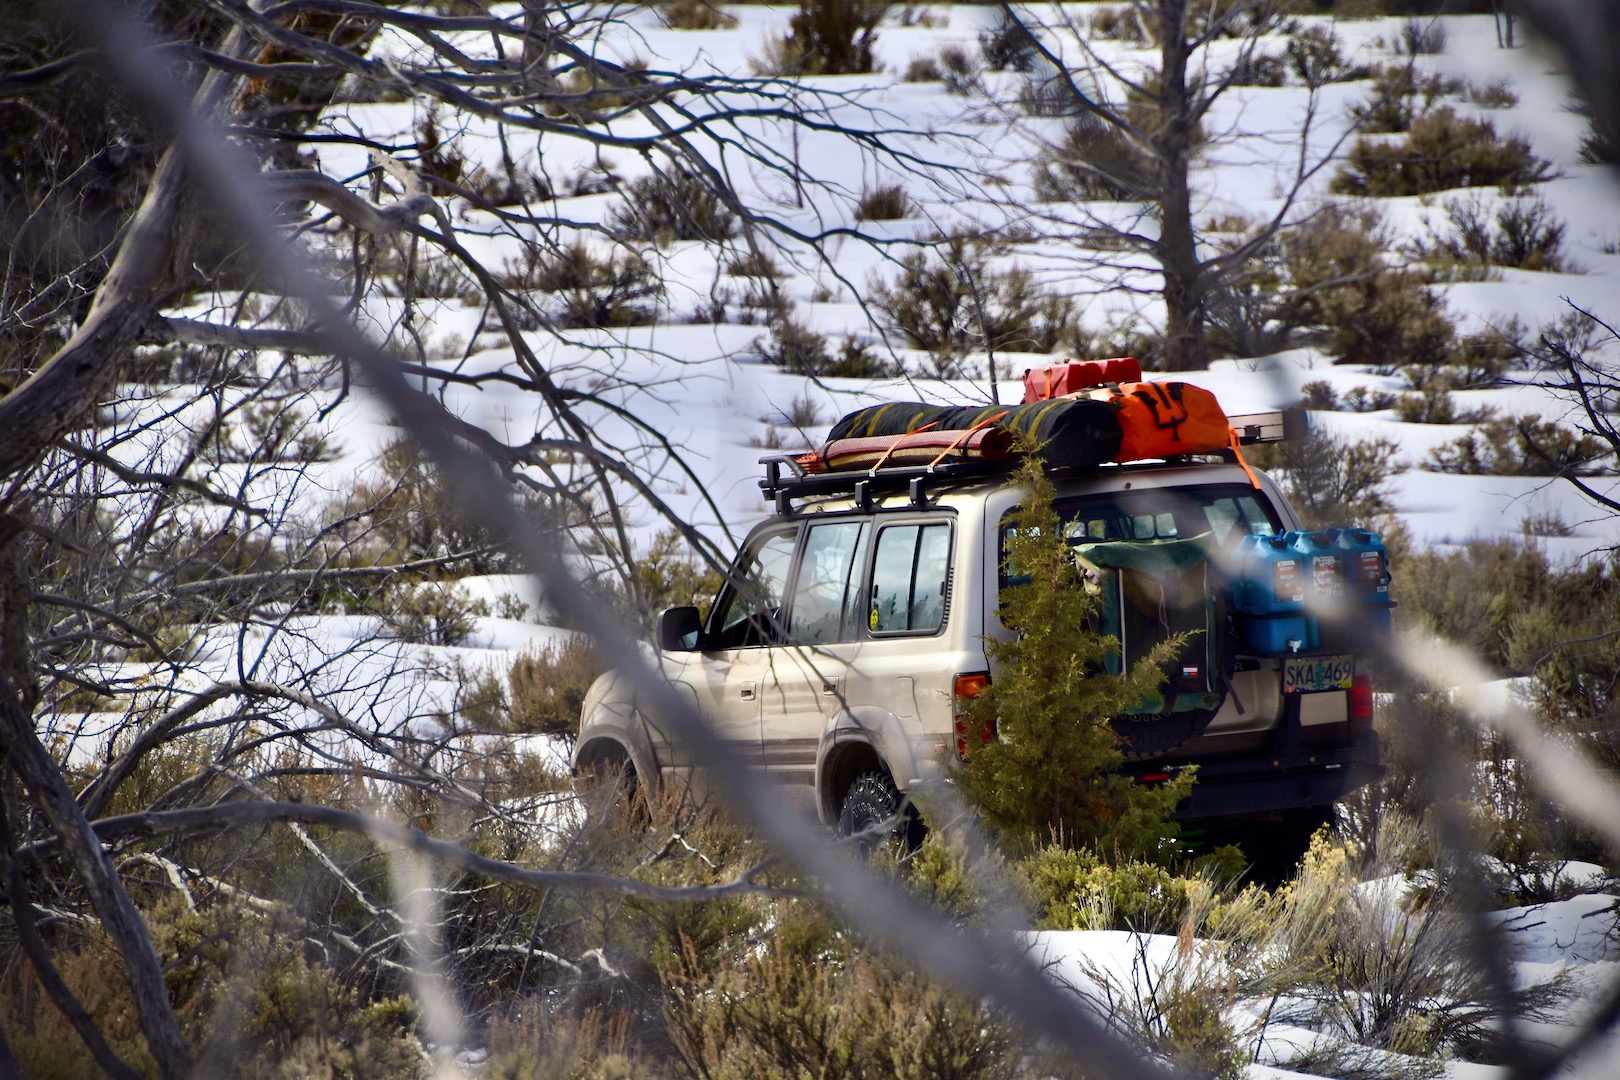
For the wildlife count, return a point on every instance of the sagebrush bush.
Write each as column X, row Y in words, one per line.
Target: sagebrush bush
column 1423, row 37
column 1365, row 399
column 1436, row 405
column 1006, row 46
column 1522, row 233
column 587, row 289
column 1339, row 284
column 1520, row 446
column 1073, row 889
column 547, row 686
column 961, row 71
column 1259, row 68
column 1385, row 967
column 808, row 1004
column 673, row 204
column 1316, row 58
column 695, row 15
column 245, row 989
column 1399, row 94
column 1096, row 160
column 430, row 612
column 1496, row 94
column 403, row 515
column 792, row 345
column 827, row 37
column 668, row 573
column 1442, row 150
column 1119, row 23
column 1523, row 614
column 949, row 299
column 1332, row 480
column 923, row 69
column 887, row 203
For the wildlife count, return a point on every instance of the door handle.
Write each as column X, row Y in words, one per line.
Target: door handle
column 747, row 691
column 829, row 687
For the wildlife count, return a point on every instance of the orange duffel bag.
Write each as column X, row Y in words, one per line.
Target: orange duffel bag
column 1164, row 419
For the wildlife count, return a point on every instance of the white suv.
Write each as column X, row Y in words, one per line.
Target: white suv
column 854, row 620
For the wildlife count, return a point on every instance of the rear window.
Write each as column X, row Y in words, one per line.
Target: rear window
column 1227, row 512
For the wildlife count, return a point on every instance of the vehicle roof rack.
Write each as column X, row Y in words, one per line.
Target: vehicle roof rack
column 785, row 480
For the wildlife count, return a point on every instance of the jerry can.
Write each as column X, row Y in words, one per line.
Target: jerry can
column 1268, row 593
column 1366, row 577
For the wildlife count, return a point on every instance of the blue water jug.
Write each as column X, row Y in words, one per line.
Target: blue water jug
column 1268, row 594
column 1328, row 613
column 1366, row 581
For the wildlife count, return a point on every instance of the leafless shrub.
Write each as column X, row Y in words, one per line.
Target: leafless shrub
column 1522, row 233
column 1423, row 37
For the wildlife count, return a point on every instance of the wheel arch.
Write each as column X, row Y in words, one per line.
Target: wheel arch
column 615, row 735
column 842, row 761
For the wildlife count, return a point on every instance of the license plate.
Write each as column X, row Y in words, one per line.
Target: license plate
column 1312, row 674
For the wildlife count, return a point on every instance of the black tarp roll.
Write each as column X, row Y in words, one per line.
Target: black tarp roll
column 1073, row 432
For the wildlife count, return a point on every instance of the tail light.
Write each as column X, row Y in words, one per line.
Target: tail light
column 1361, row 700
column 964, row 688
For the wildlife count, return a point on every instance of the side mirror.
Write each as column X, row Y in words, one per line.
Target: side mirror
column 679, row 629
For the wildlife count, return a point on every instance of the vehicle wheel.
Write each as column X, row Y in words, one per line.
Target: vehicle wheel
column 611, row 788
column 1273, row 845
column 872, row 800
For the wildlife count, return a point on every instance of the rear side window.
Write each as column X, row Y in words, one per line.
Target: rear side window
column 826, row 597
column 910, row 576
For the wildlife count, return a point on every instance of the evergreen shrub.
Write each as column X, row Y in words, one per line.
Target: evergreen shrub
column 1048, row 776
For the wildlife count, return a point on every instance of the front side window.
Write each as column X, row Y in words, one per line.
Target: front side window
column 910, row 575
column 749, row 611
column 826, row 596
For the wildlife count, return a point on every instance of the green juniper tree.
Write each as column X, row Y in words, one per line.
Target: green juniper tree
column 1050, row 776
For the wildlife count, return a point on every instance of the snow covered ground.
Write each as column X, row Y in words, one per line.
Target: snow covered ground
column 704, row 388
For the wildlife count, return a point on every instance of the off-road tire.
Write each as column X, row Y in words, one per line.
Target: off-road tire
column 611, row 788
column 873, row 799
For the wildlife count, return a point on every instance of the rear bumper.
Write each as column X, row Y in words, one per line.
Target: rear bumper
column 1294, row 772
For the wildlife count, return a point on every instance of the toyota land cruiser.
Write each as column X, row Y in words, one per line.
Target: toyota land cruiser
column 853, row 621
